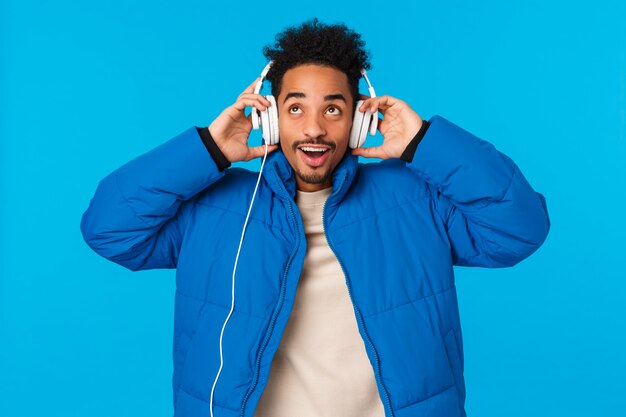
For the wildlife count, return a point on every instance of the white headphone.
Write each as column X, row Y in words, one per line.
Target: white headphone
column 267, row 120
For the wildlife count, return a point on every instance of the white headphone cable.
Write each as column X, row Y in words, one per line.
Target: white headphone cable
column 232, row 306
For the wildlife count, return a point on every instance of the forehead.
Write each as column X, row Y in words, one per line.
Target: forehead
column 313, row 79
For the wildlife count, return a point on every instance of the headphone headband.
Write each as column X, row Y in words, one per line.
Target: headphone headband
column 370, row 87
column 259, row 84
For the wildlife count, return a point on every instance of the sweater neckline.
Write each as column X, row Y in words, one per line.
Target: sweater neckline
column 312, row 198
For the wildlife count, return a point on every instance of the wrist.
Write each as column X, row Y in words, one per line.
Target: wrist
column 214, row 150
column 409, row 152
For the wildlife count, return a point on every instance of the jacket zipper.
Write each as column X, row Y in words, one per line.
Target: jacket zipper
column 358, row 315
column 273, row 322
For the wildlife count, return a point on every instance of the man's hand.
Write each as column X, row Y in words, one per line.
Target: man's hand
column 230, row 130
column 399, row 127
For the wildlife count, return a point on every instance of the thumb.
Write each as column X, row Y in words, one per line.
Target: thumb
column 373, row 152
column 259, row 151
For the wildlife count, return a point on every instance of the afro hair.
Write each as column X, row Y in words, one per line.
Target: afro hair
column 314, row 42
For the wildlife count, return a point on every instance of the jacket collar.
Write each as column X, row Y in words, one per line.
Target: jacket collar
column 280, row 176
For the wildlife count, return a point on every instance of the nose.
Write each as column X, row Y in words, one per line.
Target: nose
column 313, row 126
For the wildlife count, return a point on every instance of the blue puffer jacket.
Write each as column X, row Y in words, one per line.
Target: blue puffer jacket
column 397, row 229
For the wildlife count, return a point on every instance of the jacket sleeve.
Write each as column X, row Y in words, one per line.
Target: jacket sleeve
column 492, row 215
column 138, row 214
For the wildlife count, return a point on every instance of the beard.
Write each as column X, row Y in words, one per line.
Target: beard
column 314, row 177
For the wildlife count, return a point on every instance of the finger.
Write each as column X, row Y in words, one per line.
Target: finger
column 367, row 104
column 243, row 103
column 373, row 152
column 250, row 88
column 255, row 96
column 259, row 151
column 386, row 101
column 372, row 104
column 381, row 103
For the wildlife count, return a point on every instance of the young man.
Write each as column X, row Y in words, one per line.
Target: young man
column 345, row 297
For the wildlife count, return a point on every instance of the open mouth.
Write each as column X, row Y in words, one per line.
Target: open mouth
column 314, row 155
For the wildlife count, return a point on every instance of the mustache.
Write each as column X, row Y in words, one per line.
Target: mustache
column 318, row 141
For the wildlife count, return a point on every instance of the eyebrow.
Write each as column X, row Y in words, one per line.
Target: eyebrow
column 329, row 97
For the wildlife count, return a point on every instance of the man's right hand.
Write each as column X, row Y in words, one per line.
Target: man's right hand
column 230, row 130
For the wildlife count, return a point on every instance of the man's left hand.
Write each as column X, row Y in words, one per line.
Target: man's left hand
column 399, row 127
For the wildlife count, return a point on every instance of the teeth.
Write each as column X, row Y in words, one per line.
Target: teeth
column 309, row 149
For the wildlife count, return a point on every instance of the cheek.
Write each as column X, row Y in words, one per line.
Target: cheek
column 286, row 134
column 342, row 131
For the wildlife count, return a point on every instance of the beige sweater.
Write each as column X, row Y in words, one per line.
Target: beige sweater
column 321, row 368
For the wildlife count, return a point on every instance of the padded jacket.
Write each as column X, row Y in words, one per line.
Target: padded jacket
column 396, row 227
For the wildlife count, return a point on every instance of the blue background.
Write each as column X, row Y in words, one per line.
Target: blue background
column 87, row 86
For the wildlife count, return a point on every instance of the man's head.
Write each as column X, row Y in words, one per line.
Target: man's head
column 315, row 80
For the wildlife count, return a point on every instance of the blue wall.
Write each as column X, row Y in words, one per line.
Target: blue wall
column 86, row 87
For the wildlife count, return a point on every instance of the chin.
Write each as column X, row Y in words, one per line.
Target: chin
column 314, row 177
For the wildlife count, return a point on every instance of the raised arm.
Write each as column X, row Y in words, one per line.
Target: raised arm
column 493, row 216
column 138, row 215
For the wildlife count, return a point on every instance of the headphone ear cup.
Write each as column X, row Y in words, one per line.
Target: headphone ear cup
column 255, row 116
column 360, row 126
column 273, row 119
column 269, row 122
column 374, row 124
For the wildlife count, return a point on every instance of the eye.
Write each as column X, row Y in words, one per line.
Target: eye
column 333, row 110
column 291, row 110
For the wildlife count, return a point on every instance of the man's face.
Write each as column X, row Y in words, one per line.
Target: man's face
column 315, row 117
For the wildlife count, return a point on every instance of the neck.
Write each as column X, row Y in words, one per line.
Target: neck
column 308, row 187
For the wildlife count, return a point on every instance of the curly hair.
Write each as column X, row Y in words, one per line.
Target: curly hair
column 317, row 43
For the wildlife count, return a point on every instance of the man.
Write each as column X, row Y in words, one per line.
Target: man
column 345, row 297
